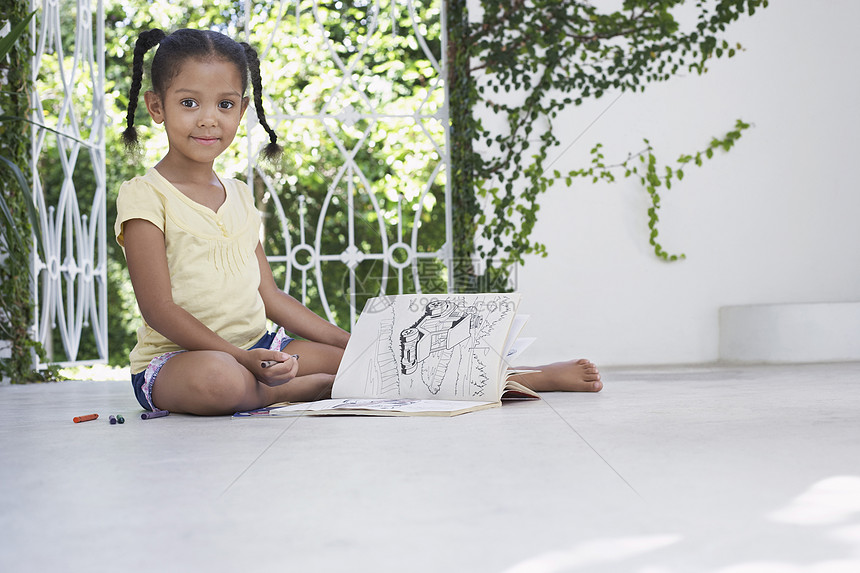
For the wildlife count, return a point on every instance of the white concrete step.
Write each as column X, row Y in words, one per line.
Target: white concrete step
column 790, row 333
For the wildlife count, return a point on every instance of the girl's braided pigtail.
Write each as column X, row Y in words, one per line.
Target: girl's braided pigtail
column 272, row 150
column 144, row 43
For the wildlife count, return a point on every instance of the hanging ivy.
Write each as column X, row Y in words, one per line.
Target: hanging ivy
column 524, row 62
column 652, row 176
column 16, row 306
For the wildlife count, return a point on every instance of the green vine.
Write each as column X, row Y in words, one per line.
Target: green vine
column 528, row 61
column 644, row 166
column 16, row 308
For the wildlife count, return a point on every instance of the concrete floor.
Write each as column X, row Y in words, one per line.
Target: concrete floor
column 669, row 470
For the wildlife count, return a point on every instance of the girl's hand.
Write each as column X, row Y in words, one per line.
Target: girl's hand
column 272, row 368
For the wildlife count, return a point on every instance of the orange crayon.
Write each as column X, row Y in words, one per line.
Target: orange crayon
column 87, row 418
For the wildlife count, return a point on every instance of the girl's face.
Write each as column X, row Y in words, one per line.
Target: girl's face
column 201, row 109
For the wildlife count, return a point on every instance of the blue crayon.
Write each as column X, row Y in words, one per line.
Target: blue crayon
column 112, row 420
column 154, row 414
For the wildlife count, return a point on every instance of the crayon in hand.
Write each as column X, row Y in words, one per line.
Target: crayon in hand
column 268, row 363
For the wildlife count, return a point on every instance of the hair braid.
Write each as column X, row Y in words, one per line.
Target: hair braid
column 145, row 41
column 272, row 150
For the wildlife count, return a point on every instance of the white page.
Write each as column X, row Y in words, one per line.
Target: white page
column 514, row 334
column 517, row 348
column 447, row 347
column 369, row 407
column 511, row 347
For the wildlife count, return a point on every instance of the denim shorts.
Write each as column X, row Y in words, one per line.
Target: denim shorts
column 142, row 382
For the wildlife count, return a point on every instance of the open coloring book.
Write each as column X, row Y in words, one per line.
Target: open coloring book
column 418, row 354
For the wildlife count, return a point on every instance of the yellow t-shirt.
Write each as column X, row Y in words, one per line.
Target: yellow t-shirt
column 214, row 273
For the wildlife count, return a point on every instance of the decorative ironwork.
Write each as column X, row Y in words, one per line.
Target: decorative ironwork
column 359, row 229
column 68, row 172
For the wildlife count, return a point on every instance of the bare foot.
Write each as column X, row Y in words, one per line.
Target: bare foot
column 571, row 376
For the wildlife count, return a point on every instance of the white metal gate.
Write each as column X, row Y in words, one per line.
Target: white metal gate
column 381, row 219
column 67, row 40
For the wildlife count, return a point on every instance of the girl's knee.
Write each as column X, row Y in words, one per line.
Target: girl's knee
column 213, row 383
column 224, row 383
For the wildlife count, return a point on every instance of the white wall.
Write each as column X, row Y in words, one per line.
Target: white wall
column 776, row 220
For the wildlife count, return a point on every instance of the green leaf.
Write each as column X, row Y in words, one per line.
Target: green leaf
column 41, row 126
column 14, row 237
column 31, row 208
column 8, row 41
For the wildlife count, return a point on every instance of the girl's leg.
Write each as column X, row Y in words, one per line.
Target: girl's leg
column 213, row 383
column 572, row 376
column 315, row 357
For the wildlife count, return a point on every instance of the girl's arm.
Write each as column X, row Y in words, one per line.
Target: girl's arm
column 286, row 311
column 146, row 257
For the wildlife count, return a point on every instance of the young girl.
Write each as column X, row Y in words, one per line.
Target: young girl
column 191, row 242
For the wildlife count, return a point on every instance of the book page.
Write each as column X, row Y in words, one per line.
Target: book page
column 517, row 348
column 418, row 346
column 514, row 333
column 369, row 407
